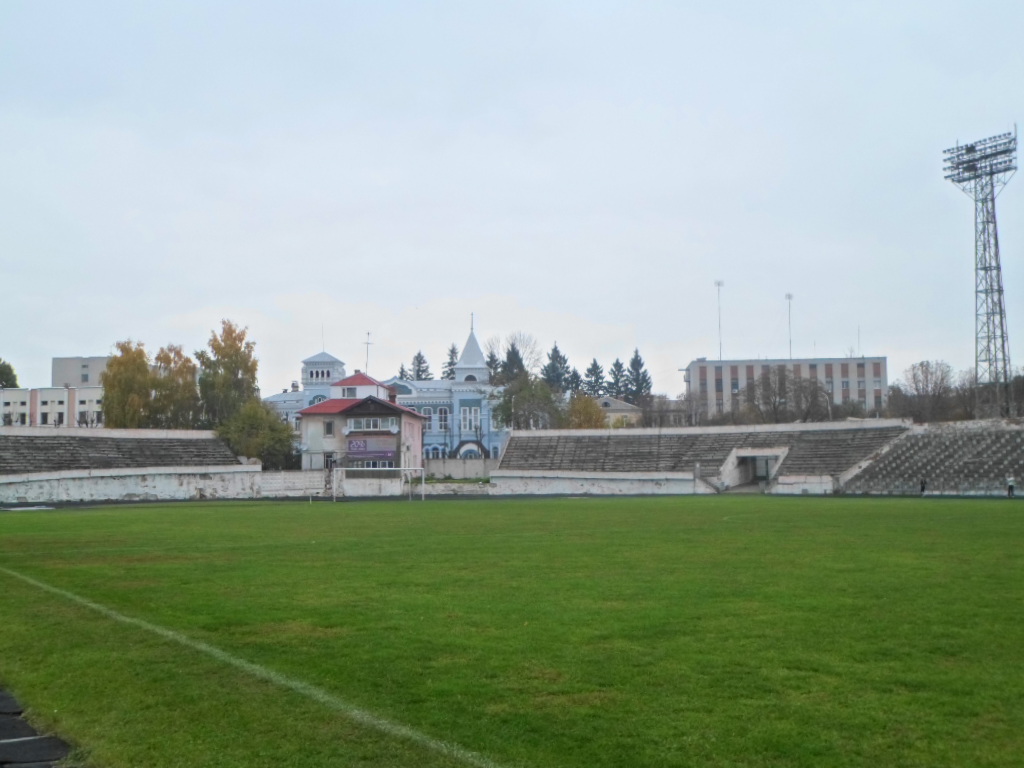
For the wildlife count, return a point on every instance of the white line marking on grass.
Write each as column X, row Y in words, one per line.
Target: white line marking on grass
column 318, row 695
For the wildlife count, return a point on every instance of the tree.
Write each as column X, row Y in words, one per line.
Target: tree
column 659, row 411
column 556, row 373
column 175, row 402
column 593, row 380
column 512, row 367
column 617, row 380
column 770, row 396
column 448, row 370
column 585, row 413
column 493, row 366
column 529, row 350
column 127, row 387
column 8, row 378
column 529, row 403
column 420, row 370
column 638, row 381
column 258, row 432
column 926, row 392
column 574, row 383
column 403, row 374
column 227, row 378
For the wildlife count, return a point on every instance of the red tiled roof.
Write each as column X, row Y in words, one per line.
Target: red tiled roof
column 330, row 406
column 340, row 405
column 358, row 380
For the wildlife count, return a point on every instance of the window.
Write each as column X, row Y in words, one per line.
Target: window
column 45, row 402
column 735, row 384
column 21, row 419
column 329, row 461
column 80, row 402
column 329, row 428
column 85, row 378
column 470, row 418
column 60, row 419
column 846, row 384
column 373, row 423
column 349, row 393
column 60, row 402
column 44, row 418
column 317, row 399
column 860, row 383
column 442, row 418
column 878, row 383
column 829, row 385
column 429, row 414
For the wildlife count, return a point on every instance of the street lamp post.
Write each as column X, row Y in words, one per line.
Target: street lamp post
column 789, row 298
column 718, row 286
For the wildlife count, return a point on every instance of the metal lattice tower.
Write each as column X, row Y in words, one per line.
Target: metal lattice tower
column 981, row 170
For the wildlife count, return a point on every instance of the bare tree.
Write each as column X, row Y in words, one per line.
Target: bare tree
column 926, row 392
column 771, row 395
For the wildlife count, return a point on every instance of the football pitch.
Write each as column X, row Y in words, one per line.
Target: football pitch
column 528, row 633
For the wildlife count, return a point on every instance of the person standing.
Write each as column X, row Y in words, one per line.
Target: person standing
column 1009, row 487
column 923, row 484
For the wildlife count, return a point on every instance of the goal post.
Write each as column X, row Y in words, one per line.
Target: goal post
column 407, row 475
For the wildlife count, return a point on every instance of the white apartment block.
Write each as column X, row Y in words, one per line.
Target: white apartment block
column 52, row 407
column 719, row 386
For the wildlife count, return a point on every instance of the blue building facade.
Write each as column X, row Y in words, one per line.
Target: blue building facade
column 459, row 413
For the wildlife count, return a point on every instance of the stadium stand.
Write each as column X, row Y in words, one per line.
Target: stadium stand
column 22, row 454
column 972, row 458
column 818, row 450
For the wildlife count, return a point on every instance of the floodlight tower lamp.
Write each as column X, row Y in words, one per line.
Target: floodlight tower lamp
column 981, row 169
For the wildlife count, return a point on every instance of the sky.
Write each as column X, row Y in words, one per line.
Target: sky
column 582, row 172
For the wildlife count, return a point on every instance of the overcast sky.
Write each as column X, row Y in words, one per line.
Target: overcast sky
column 580, row 171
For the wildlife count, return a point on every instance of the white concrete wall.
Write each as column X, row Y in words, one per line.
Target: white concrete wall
column 524, row 482
column 297, row 484
column 460, row 469
column 153, row 484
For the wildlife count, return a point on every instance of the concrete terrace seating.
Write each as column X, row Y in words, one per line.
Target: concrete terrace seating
column 811, row 451
column 21, row 454
column 961, row 459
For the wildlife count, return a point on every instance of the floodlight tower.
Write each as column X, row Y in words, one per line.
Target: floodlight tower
column 981, row 170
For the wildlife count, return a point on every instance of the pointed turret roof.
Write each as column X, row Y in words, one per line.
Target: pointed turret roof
column 472, row 356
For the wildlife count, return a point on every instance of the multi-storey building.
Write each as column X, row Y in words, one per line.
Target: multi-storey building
column 77, row 371
column 360, row 426
column 716, row 387
column 459, row 412
column 318, row 373
column 52, row 407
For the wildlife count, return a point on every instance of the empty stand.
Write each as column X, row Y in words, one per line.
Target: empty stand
column 811, row 451
column 20, row 454
column 949, row 459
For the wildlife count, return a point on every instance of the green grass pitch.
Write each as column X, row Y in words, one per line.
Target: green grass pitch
column 533, row 633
